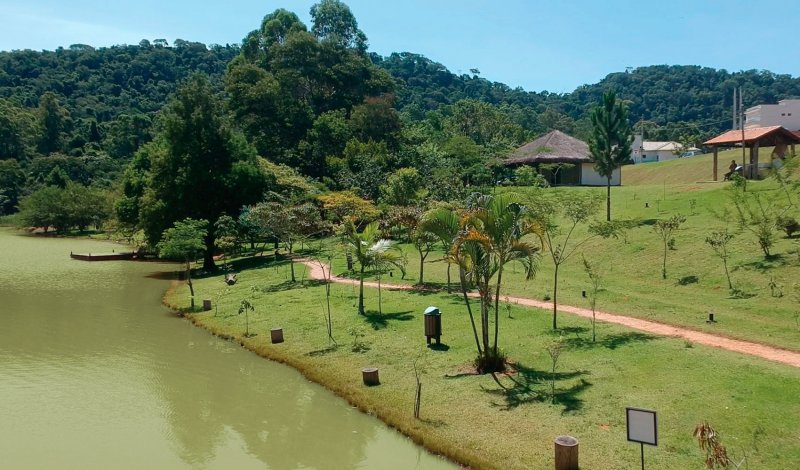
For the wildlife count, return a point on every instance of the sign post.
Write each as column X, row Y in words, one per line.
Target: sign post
column 642, row 427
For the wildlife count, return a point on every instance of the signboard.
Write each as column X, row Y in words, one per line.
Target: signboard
column 642, row 426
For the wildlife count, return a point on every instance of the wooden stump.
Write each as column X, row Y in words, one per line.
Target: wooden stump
column 566, row 453
column 206, row 305
column 370, row 375
column 276, row 335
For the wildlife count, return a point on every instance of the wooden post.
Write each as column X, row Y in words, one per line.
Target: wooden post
column 715, row 163
column 754, row 158
column 370, row 376
column 566, row 453
column 276, row 334
column 206, row 305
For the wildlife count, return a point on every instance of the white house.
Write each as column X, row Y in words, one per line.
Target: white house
column 653, row 151
column 786, row 113
column 564, row 159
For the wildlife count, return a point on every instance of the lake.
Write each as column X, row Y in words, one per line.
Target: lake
column 96, row 373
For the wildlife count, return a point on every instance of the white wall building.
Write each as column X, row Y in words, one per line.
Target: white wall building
column 786, row 113
column 653, row 151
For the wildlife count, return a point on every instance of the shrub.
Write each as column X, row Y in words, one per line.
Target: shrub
column 788, row 225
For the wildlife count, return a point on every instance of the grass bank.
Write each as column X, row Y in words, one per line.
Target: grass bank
column 511, row 423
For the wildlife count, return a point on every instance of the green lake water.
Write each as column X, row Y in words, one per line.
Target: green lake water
column 96, row 374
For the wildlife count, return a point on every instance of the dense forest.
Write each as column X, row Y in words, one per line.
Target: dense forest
column 295, row 111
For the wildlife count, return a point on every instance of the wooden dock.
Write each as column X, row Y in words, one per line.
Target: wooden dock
column 103, row 256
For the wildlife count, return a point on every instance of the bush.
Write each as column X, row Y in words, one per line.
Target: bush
column 788, row 225
column 528, row 176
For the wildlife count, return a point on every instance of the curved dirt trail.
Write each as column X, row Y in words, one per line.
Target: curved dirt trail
column 771, row 353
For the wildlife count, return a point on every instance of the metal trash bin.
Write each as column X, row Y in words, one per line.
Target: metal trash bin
column 433, row 324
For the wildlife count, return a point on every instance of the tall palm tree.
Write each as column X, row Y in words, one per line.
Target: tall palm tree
column 491, row 236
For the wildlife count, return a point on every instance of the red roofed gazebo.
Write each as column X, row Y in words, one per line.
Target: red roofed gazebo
column 753, row 138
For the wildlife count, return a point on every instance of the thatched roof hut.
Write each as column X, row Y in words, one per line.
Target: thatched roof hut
column 573, row 161
column 553, row 147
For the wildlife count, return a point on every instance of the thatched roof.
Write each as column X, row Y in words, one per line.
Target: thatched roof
column 553, row 147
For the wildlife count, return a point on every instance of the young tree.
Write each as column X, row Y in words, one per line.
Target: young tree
column 423, row 241
column 359, row 244
column 595, row 278
column 246, row 307
column 576, row 209
column 610, row 144
column 757, row 216
column 719, row 241
column 666, row 228
column 185, row 241
column 491, row 236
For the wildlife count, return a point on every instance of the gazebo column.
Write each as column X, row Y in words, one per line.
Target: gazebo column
column 715, row 163
column 754, row 159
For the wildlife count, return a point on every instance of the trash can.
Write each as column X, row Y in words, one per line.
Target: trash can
column 433, row 324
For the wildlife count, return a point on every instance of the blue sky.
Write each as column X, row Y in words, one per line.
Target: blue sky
column 539, row 45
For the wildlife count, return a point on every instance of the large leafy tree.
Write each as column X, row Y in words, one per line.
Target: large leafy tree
column 288, row 77
column 199, row 167
column 611, row 140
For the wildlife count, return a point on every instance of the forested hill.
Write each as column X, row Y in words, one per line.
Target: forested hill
column 99, row 84
column 671, row 98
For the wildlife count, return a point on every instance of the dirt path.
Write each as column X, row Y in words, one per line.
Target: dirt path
column 783, row 356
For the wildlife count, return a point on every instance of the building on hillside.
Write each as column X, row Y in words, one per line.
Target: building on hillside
column 564, row 159
column 645, row 151
column 786, row 113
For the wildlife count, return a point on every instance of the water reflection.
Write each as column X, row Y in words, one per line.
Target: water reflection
column 95, row 374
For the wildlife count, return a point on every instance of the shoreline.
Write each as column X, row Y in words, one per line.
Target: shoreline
column 305, row 369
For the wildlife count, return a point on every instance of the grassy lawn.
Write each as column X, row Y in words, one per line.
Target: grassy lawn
column 696, row 283
column 476, row 421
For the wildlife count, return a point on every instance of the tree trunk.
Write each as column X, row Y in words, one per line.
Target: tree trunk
column 361, row 292
column 463, row 279
column 497, row 306
column 291, row 261
column 189, row 280
column 555, row 296
column 421, row 266
column 725, row 263
column 608, row 198
column 208, row 256
column 664, row 264
column 448, row 277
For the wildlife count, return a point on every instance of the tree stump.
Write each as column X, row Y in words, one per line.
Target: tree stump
column 370, row 376
column 276, row 334
column 566, row 453
column 206, row 305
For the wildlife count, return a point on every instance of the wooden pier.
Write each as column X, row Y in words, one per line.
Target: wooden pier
column 103, row 256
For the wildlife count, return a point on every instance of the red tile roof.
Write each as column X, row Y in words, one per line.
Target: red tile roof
column 751, row 135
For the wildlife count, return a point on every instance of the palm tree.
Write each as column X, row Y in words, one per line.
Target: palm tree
column 444, row 224
column 610, row 144
column 381, row 255
column 358, row 245
column 491, row 236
